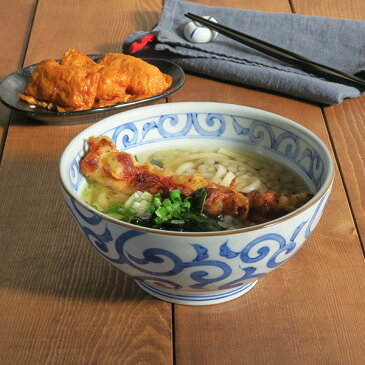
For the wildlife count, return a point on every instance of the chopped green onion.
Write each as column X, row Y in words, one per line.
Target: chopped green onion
column 161, row 212
column 175, row 195
column 112, row 210
column 157, row 163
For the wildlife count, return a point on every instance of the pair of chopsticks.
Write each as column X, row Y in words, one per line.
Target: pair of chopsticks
column 292, row 58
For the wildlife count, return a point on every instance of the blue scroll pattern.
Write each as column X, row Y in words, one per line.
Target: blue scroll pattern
column 213, row 125
column 207, row 269
column 74, row 174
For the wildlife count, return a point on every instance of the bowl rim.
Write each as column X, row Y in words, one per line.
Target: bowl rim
column 114, row 120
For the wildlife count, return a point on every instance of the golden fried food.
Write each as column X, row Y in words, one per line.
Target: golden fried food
column 112, row 82
column 73, row 57
column 66, row 88
column 79, row 83
column 120, row 172
column 145, row 79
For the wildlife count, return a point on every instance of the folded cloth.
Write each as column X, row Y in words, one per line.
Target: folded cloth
column 337, row 43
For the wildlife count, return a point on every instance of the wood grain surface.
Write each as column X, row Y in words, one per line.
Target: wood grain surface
column 61, row 303
column 346, row 121
column 305, row 305
column 302, row 313
column 16, row 19
column 347, row 9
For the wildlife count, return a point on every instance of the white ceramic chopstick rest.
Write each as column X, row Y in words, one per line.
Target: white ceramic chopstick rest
column 197, row 33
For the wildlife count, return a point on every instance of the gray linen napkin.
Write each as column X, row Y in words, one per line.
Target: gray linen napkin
column 338, row 43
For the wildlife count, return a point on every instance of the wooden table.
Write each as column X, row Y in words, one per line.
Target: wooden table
column 61, row 303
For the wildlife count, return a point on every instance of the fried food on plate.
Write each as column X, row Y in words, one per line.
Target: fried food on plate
column 112, row 82
column 144, row 79
column 79, row 83
column 52, row 85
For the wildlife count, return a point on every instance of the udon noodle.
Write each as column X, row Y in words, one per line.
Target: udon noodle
column 252, row 171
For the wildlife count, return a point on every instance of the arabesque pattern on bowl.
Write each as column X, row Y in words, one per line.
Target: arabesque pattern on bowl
column 195, row 263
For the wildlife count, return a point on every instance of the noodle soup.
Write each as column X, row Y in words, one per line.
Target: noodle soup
column 242, row 171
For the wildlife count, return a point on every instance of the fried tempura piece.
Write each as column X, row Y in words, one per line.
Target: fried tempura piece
column 67, row 88
column 270, row 205
column 112, row 82
column 144, row 79
column 122, row 173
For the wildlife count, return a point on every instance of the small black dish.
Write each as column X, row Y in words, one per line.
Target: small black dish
column 15, row 83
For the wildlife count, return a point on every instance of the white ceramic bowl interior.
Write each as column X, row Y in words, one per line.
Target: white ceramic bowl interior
column 211, row 267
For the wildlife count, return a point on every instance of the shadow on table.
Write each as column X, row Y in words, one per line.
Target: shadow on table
column 42, row 249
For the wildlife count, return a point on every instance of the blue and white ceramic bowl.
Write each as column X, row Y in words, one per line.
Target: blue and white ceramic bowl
column 201, row 268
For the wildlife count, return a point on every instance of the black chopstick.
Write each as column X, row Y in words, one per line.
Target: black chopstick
column 282, row 54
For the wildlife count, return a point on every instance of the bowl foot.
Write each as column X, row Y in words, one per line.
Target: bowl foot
column 196, row 298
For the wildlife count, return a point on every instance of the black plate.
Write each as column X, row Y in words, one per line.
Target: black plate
column 15, row 83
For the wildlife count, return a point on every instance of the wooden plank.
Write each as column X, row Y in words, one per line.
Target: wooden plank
column 349, row 9
column 15, row 23
column 282, row 6
column 346, row 121
column 307, row 302
column 87, row 26
column 60, row 302
column 309, row 311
